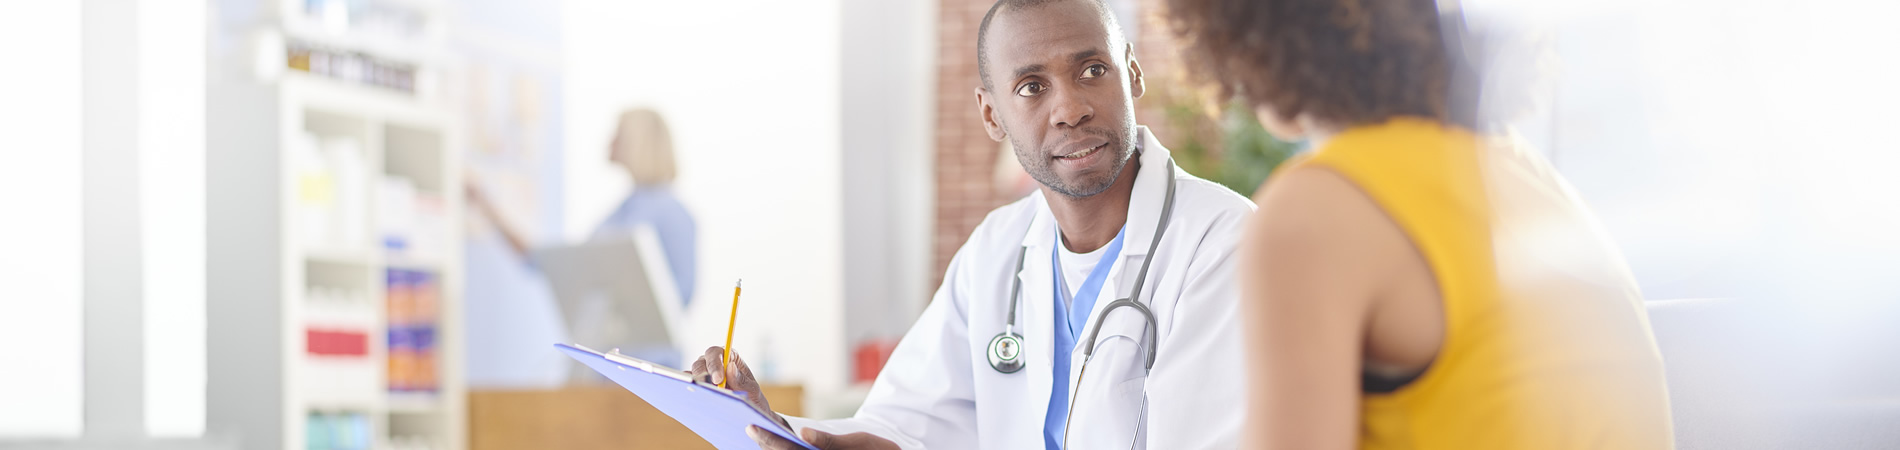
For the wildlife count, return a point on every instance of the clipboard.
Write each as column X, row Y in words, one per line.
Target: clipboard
column 718, row 415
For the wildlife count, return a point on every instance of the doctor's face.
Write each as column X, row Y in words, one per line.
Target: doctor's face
column 1062, row 89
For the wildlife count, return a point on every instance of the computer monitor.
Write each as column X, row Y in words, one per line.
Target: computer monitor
column 616, row 293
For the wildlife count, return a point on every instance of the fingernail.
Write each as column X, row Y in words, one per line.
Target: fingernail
column 752, row 431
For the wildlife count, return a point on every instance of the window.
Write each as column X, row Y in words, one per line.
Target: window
column 40, row 271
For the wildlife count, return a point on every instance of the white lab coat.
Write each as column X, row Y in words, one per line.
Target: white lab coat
column 939, row 391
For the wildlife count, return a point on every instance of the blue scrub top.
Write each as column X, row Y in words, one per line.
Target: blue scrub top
column 1070, row 316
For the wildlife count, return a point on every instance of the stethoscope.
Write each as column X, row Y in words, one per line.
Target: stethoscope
column 1006, row 349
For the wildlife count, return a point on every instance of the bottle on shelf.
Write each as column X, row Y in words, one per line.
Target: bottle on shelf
column 337, row 326
column 332, row 191
column 352, row 190
column 350, row 66
column 396, row 210
column 316, row 191
column 412, row 297
column 337, row 431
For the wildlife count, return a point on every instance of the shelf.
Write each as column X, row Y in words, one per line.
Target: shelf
column 340, row 257
column 418, row 52
column 340, row 384
column 340, row 405
column 414, row 402
column 430, row 7
column 330, row 281
column 413, row 263
column 348, row 97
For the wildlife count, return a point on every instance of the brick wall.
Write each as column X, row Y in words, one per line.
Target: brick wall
column 966, row 157
column 1160, row 65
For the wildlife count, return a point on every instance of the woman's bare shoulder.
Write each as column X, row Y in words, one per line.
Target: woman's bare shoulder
column 1316, row 226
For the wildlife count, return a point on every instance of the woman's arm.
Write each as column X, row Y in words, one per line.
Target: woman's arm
column 1311, row 263
column 479, row 202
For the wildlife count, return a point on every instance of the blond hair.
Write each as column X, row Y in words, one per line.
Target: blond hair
column 645, row 146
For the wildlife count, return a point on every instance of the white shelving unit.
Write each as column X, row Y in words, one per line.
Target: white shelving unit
column 284, row 275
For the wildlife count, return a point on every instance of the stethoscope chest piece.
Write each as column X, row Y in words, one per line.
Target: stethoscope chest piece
column 1006, row 352
column 1006, row 349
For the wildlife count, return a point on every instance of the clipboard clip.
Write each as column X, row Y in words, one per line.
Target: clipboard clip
column 649, row 367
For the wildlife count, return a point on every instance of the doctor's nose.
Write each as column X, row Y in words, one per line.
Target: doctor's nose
column 1071, row 109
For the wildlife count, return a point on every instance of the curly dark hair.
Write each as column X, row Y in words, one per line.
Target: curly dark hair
column 1340, row 62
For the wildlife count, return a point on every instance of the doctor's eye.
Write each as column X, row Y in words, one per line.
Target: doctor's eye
column 1095, row 70
column 1030, row 89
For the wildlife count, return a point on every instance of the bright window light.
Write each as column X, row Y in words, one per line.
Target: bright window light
column 172, row 191
column 41, row 395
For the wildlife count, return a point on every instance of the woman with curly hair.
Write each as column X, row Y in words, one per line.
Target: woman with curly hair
column 1411, row 282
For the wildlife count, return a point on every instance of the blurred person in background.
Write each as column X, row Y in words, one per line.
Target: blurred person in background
column 643, row 146
column 1411, row 282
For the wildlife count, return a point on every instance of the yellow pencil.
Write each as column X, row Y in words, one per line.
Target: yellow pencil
column 724, row 375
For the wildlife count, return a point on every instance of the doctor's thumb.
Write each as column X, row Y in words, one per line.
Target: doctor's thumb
column 828, row 441
column 816, row 438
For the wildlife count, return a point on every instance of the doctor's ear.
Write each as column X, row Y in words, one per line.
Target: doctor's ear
column 1136, row 84
column 988, row 114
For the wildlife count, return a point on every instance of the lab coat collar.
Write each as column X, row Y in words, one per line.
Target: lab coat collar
column 1144, row 204
column 1144, row 208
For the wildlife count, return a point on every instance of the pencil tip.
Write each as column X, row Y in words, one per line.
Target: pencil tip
column 738, row 283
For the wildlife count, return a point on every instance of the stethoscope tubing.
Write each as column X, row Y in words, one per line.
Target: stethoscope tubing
column 1132, row 301
column 1134, row 296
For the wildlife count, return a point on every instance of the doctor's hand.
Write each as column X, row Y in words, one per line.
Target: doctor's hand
column 820, row 439
column 738, row 377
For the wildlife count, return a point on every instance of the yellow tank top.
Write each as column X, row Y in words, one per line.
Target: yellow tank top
column 1547, row 345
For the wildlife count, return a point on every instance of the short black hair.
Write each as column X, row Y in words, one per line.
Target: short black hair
column 983, row 31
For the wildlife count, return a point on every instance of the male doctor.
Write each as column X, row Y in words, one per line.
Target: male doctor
column 1002, row 356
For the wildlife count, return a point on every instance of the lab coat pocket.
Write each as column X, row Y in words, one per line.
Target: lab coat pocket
column 1134, row 394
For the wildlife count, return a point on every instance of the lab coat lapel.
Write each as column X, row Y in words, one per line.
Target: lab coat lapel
column 1144, row 209
column 1038, row 324
column 1151, row 189
column 1038, row 286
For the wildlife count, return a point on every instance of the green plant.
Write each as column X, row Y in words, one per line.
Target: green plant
column 1231, row 149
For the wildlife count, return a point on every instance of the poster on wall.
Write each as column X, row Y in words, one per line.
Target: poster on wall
column 507, row 89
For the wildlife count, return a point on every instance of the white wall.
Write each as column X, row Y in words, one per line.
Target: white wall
column 750, row 88
column 1731, row 147
column 889, row 60
column 1744, row 149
